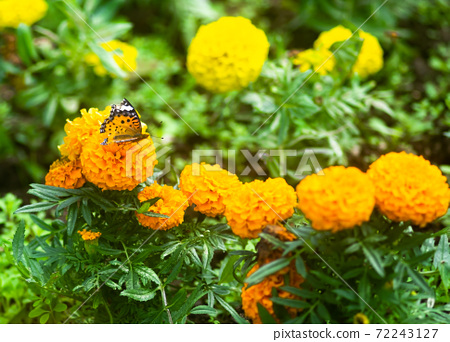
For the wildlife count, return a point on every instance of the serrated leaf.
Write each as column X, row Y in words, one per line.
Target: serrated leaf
column 72, row 218
column 418, row 280
column 35, row 207
column 19, row 241
column 293, row 303
column 152, row 214
column 203, row 310
column 300, row 267
column 141, row 295
column 148, row 274
column 231, row 310
column 375, row 260
column 266, row 317
column 267, row 270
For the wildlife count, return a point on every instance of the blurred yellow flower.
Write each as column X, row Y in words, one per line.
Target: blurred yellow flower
column 227, row 54
column 409, row 188
column 369, row 61
column 80, row 129
column 254, row 205
column 340, row 199
column 360, row 318
column 65, row 173
column 262, row 292
column 15, row 12
column 208, row 185
column 172, row 203
column 126, row 61
column 313, row 59
column 107, row 166
column 88, row 236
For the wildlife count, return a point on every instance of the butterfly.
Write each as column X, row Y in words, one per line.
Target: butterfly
column 122, row 125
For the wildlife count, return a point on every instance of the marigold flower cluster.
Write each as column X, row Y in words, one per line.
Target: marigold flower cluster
column 172, row 203
column 14, row 12
column 256, row 204
column 207, row 186
column 369, row 61
column 125, row 57
column 88, row 235
column 105, row 166
column 262, row 292
column 65, row 173
column 340, row 199
column 409, row 188
column 227, row 54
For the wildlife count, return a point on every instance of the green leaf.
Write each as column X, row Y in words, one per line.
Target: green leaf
column 72, row 218
column 230, row 309
column 203, row 310
column 141, row 295
column 25, row 46
column 267, row 270
column 300, row 292
column 50, row 110
column 151, row 214
column 293, row 303
column 18, row 241
column 44, row 318
column 418, row 280
column 60, row 307
column 35, row 207
column 36, row 312
column 86, row 211
column 147, row 204
column 441, row 260
column 41, row 223
column 374, row 258
column 227, row 272
column 147, row 273
column 266, row 317
column 300, row 266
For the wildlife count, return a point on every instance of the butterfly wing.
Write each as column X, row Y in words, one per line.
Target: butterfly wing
column 123, row 124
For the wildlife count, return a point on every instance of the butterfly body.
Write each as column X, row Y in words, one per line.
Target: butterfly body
column 122, row 125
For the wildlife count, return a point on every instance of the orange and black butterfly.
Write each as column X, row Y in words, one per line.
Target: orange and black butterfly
column 122, row 125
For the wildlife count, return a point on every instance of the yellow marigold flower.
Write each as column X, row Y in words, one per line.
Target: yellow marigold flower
column 409, row 188
column 370, row 58
column 88, row 236
column 227, row 54
column 15, row 12
column 207, row 186
column 80, row 129
column 108, row 167
column 340, row 199
column 254, row 205
column 360, row 318
column 313, row 59
column 65, row 174
column 173, row 203
column 262, row 292
column 126, row 61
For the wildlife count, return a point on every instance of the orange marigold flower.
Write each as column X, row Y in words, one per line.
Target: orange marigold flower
column 207, row 186
column 88, row 236
column 108, row 167
column 262, row 292
column 340, row 199
column 66, row 174
column 172, row 203
column 409, row 188
column 80, row 129
column 254, row 205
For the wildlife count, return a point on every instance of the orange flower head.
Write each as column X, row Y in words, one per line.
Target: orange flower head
column 117, row 166
column 65, row 173
column 207, row 186
column 254, row 205
column 80, row 129
column 172, row 203
column 262, row 292
column 409, row 188
column 340, row 199
column 89, row 236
